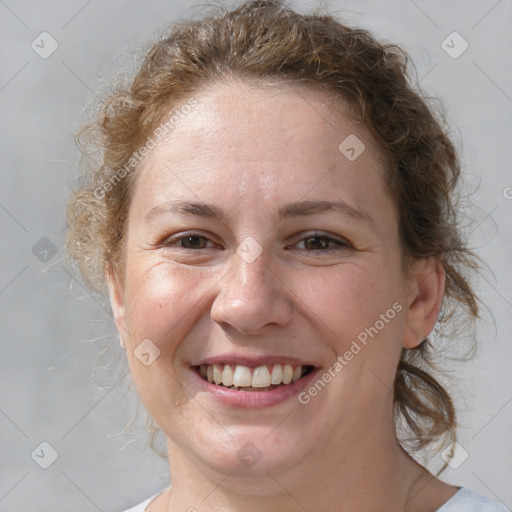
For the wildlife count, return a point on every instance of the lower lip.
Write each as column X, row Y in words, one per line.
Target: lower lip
column 253, row 399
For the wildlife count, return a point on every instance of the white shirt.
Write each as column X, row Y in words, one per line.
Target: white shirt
column 467, row 501
column 462, row 501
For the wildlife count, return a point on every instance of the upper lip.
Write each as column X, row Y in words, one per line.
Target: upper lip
column 252, row 361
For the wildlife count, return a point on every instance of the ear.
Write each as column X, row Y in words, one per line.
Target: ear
column 116, row 296
column 425, row 294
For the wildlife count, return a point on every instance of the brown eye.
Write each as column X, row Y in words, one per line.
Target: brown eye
column 320, row 243
column 317, row 242
column 193, row 242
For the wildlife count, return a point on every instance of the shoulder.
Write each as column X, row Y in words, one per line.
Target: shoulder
column 467, row 501
column 141, row 507
column 462, row 501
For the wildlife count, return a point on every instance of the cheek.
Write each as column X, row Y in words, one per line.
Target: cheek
column 162, row 306
column 360, row 312
column 350, row 298
column 162, row 302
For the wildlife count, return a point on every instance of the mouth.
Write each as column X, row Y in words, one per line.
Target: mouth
column 246, row 379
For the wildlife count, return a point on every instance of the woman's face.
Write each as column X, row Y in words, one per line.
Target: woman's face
column 255, row 241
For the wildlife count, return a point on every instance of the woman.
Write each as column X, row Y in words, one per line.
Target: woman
column 273, row 219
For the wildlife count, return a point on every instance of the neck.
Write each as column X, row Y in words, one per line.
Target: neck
column 368, row 471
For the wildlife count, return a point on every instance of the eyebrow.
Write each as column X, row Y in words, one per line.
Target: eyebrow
column 192, row 208
column 289, row 210
column 303, row 208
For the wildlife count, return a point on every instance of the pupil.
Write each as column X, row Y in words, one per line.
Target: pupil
column 317, row 242
column 192, row 241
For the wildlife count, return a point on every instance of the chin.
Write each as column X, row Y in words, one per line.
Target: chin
column 253, row 452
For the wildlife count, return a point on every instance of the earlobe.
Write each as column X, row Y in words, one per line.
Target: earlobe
column 424, row 301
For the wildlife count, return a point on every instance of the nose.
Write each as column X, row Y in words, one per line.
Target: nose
column 251, row 298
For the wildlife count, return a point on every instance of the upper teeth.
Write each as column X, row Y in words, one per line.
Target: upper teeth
column 242, row 376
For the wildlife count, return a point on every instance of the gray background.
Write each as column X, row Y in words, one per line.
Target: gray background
column 53, row 330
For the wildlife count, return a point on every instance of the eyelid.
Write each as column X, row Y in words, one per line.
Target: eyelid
column 174, row 239
column 341, row 241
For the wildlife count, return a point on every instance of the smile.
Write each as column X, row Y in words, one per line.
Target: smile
column 244, row 378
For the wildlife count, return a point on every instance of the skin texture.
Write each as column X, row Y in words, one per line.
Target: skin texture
column 250, row 150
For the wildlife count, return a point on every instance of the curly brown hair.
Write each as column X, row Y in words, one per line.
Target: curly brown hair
column 261, row 40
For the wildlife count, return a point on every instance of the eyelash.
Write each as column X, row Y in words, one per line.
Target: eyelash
column 341, row 244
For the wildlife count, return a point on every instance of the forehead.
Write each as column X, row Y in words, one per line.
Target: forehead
column 260, row 145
